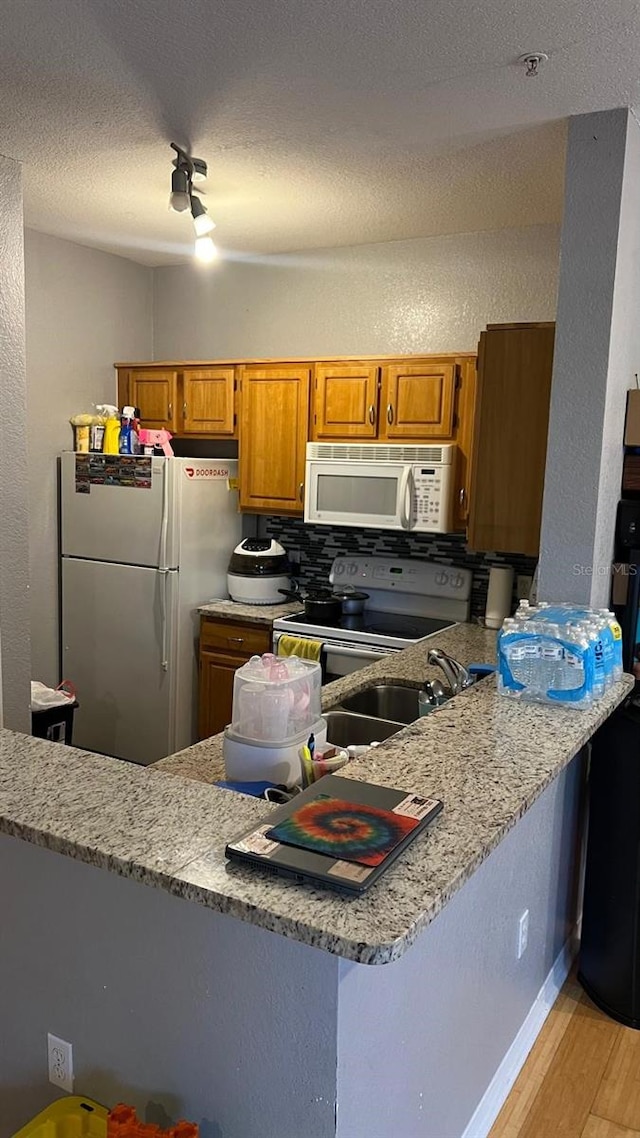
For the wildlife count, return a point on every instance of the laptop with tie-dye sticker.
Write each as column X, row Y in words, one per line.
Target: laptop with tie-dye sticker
column 338, row 832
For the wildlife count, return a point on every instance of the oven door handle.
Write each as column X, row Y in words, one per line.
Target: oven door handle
column 356, row 650
column 406, row 486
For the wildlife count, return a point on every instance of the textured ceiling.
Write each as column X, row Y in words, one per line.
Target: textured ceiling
column 324, row 122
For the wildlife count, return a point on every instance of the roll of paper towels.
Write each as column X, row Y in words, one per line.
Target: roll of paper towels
column 499, row 595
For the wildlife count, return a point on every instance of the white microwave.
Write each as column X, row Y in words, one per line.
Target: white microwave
column 380, row 486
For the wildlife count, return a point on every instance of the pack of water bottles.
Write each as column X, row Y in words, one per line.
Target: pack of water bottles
column 559, row 654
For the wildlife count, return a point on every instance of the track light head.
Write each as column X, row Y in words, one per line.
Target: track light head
column 180, row 198
column 202, row 223
column 199, row 169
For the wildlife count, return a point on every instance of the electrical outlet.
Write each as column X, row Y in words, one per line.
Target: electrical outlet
column 523, row 586
column 523, row 934
column 60, row 1063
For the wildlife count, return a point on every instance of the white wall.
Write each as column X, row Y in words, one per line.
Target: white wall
column 14, row 554
column 84, row 310
column 430, row 294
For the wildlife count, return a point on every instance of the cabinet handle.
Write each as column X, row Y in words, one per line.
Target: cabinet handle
column 372, row 415
column 389, row 413
column 301, row 491
column 170, row 412
column 235, row 639
column 461, row 496
column 184, row 410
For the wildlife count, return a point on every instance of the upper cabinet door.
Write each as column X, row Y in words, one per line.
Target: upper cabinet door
column 417, row 400
column 510, row 437
column 208, row 401
column 345, row 401
column 155, row 392
column 273, row 437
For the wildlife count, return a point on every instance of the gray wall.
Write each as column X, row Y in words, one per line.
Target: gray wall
column 14, row 552
column 597, row 353
column 180, row 1011
column 430, row 294
column 84, row 310
column 460, row 990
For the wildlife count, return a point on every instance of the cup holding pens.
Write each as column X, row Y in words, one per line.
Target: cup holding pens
column 322, row 761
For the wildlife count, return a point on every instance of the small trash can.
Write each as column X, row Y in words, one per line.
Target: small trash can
column 54, row 722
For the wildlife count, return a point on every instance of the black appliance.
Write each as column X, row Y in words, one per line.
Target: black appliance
column 627, row 567
column 609, row 968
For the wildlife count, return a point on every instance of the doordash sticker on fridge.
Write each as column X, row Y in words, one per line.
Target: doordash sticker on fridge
column 206, row 473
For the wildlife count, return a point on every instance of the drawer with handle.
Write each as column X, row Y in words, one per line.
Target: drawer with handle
column 245, row 639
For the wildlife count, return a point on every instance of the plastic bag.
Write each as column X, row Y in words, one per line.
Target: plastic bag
column 43, row 698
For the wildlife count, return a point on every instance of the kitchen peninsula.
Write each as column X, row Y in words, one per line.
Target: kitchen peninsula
column 199, row 1007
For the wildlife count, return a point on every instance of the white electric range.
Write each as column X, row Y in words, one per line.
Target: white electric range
column 408, row 601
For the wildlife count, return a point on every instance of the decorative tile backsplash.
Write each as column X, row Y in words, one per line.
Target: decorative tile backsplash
column 318, row 545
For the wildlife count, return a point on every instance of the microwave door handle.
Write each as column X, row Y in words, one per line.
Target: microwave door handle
column 406, row 485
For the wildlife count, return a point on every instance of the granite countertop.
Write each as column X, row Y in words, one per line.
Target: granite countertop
column 489, row 758
column 252, row 614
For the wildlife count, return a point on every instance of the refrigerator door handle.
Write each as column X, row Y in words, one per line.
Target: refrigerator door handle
column 164, row 524
column 164, row 662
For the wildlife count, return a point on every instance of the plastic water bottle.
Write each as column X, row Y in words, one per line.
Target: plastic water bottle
column 615, row 633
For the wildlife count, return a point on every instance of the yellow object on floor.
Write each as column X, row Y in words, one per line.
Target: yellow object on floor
column 72, row 1117
column 299, row 646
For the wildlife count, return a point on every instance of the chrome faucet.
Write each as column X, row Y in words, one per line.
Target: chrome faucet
column 456, row 674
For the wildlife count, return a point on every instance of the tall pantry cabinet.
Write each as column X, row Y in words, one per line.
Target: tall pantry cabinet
column 510, row 437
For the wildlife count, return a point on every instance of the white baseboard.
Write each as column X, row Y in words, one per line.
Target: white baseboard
column 496, row 1093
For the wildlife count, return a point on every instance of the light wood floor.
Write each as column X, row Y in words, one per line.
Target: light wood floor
column 581, row 1079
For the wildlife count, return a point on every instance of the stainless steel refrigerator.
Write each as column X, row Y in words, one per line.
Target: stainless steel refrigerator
column 143, row 543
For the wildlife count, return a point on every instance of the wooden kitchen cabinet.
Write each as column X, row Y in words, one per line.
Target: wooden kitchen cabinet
column 416, row 400
column 345, row 401
column 208, row 401
column 396, row 401
column 510, row 437
column 274, row 402
column 224, row 647
column 155, row 392
column 186, row 400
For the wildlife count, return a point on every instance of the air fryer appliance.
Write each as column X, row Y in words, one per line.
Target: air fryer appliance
column 257, row 570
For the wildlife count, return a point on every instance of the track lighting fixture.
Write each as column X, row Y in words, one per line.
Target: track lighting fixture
column 188, row 170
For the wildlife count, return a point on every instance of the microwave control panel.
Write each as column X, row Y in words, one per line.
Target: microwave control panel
column 431, row 508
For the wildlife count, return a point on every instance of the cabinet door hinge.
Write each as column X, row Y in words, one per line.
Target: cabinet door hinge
column 456, row 420
column 235, row 418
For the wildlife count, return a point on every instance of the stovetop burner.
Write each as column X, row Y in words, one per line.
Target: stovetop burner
column 376, row 624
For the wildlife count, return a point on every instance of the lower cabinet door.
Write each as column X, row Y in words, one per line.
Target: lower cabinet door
column 216, row 691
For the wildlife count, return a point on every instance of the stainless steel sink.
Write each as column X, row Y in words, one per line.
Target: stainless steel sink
column 345, row 729
column 385, row 701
